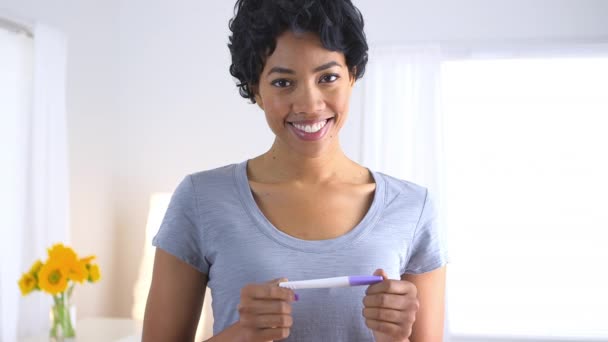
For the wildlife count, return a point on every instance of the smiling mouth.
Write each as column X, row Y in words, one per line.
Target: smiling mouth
column 310, row 127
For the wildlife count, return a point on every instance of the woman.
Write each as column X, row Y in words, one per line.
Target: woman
column 301, row 210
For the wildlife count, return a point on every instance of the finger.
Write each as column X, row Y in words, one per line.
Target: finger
column 273, row 321
column 261, row 307
column 377, row 272
column 282, row 280
column 396, row 331
column 375, row 288
column 277, row 281
column 386, row 315
column 393, row 286
column 381, row 272
column 272, row 334
column 267, row 291
column 390, row 301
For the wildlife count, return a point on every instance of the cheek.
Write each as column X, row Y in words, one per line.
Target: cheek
column 341, row 101
column 271, row 104
column 275, row 110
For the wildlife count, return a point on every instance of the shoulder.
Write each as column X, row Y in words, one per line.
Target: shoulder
column 400, row 191
column 212, row 180
column 208, row 182
column 212, row 176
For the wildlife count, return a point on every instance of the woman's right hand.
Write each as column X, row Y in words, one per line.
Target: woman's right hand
column 265, row 311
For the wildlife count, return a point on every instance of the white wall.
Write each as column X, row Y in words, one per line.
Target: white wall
column 92, row 101
column 394, row 21
column 150, row 99
column 180, row 111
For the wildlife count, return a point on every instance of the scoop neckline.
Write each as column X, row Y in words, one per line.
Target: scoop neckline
column 313, row 246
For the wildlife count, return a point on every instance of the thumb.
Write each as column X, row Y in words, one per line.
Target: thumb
column 280, row 280
column 277, row 281
column 381, row 272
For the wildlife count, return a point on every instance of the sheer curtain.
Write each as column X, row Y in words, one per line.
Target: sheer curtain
column 402, row 125
column 34, row 179
column 401, row 119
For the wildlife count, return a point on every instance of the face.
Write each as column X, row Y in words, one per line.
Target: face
column 304, row 90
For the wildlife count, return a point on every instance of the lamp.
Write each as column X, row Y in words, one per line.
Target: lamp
column 158, row 206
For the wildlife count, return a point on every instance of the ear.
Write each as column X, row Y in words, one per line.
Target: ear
column 257, row 97
column 353, row 76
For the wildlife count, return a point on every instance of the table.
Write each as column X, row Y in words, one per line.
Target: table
column 100, row 329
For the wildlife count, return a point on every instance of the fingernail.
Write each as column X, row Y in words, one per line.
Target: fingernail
column 296, row 297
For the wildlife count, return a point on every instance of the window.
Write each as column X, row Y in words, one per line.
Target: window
column 527, row 196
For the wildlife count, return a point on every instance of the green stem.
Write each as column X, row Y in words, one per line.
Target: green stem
column 62, row 322
column 70, row 289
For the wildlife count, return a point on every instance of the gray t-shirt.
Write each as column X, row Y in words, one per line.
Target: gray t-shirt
column 214, row 224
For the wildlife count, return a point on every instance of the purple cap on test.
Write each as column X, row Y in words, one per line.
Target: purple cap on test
column 364, row 280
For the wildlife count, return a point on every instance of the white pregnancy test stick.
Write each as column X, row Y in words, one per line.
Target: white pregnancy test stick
column 331, row 282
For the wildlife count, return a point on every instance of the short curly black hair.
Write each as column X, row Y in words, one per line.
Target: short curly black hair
column 257, row 24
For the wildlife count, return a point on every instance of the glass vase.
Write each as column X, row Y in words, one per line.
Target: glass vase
column 63, row 319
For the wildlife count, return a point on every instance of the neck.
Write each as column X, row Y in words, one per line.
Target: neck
column 282, row 165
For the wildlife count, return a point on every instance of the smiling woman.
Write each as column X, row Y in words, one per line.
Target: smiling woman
column 301, row 210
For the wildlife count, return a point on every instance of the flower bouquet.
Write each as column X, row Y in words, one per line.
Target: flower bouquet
column 57, row 277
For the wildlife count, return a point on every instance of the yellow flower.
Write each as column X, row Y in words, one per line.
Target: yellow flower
column 62, row 254
column 78, row 272
column 27, row 283
column 87, row 260
column 52, row 278
column 94, row 274
column 66, row 257
column 62, row 268
column 36, row 268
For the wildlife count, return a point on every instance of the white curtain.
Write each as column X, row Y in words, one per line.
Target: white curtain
column 402, row 126
column 34, row 181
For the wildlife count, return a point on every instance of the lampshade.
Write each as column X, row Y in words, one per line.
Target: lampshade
column 158, row 206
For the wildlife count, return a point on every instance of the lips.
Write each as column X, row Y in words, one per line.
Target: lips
column 311, row 130
column 310, row 127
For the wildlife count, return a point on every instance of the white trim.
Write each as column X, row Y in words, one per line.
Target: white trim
column 484, row 338
column 526, row 49
column 514, row 48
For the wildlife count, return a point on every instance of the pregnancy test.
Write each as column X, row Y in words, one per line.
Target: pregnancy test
column 331, row 282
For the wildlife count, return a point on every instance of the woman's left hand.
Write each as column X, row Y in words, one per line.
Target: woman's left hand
column 390, row 309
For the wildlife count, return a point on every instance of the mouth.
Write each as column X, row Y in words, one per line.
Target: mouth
column 311, row 129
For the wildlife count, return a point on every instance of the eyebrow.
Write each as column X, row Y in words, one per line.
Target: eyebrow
column 282, row 70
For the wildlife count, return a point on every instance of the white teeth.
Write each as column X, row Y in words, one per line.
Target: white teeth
column 311, row 128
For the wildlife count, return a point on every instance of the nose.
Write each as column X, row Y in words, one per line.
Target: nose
column 308, row 99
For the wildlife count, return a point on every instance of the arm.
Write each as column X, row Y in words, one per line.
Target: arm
column 428, row 326
column 175, row 300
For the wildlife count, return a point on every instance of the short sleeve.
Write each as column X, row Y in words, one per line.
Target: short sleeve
column 427, row 250
column 180, row 233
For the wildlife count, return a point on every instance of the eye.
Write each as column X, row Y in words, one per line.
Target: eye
column 281, row 83
column 329, row 78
